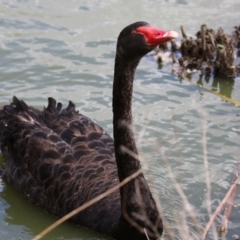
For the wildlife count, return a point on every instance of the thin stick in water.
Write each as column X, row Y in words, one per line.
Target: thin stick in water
column 219, row 208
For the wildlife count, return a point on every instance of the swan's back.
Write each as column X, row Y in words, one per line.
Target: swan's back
column 59, row 159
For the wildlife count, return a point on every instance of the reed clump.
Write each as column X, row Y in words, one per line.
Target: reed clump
column 211, row 52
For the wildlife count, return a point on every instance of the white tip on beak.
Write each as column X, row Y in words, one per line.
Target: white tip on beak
column 171, row 34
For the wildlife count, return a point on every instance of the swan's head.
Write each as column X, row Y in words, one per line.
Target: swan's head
column 139, row 38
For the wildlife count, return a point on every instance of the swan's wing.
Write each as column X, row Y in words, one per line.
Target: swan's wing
column 59, row 159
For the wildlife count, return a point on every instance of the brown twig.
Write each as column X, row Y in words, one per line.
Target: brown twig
column 206, row 168
column 183, row 31
column 219, row 208
column 212, row 39
column 173, row 58
column 228, row 210
column 203, row 35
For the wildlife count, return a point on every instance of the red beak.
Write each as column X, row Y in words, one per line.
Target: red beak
column 154, row 36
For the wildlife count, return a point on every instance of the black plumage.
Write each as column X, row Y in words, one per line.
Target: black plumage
column 59, row 159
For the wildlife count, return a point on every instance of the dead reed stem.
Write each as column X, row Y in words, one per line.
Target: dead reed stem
column 183, row 31
column 219, row 208
column 227, row 211
column 187, row 206
column 228, row 208
column 206, row 168
column 203, row 33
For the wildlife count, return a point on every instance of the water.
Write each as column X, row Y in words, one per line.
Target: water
column 65, row 49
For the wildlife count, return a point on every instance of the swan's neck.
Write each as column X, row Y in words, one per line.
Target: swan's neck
column 137, row 203
column 122, row 118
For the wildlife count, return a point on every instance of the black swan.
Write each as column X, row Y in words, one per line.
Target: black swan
column 59, row 159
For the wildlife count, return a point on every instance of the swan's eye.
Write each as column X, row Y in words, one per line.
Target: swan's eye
column 133, row 32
